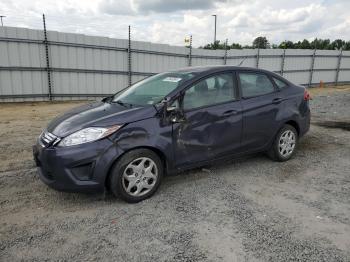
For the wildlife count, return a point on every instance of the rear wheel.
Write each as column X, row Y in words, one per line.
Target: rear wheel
column 284, row 145
column 136, row 176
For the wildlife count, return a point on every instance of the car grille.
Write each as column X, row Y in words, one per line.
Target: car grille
column 48, row 139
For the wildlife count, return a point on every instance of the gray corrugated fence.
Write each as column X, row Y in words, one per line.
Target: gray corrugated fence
column 82, row 66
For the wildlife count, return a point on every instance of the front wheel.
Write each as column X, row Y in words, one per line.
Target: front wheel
column 284, row 145
column 136, row 176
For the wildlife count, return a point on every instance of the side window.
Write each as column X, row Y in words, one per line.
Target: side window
column 255, row 84
column 213, row 90
column 280, row 84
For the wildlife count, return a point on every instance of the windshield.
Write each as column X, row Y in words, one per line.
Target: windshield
column 151, row 90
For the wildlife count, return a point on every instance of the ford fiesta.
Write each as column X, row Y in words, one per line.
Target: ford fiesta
column 171, row 122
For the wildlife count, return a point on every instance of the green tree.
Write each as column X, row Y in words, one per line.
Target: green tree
column 338, row 44
column 321, row 44
column 261, row 42
column 297, row 45
column 219, row 45
column 235, row 46
column 305, row 44
column 216, row 45
column 347, row 45
column 286, row 44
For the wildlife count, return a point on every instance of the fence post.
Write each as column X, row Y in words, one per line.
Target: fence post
column 282, row 62
column 129, row 58
column 225, row 57
column 312, row 67
column 48, row 69
column 190, row 53
column 257, row 58
column 338, row 66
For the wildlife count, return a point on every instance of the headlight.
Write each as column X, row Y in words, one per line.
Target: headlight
column 86, row 135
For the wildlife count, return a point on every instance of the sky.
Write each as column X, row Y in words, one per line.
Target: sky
column 171, row 21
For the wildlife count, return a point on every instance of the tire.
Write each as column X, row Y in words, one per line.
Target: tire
column 136, row 175
column 281, row 153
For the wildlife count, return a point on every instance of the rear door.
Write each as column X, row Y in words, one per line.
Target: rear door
column 213, row 120
column 260, row 103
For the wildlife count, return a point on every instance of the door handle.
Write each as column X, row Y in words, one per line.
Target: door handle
column 277, row 100
column 230, row 112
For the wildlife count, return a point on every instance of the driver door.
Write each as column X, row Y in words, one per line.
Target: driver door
column 212, row 125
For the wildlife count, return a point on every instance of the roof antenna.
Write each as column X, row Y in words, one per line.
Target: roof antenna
column 242, row 61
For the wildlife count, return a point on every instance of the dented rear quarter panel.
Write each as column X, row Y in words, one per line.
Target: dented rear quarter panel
column 294, row 108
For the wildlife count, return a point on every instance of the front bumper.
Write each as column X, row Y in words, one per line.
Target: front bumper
column 81, row 168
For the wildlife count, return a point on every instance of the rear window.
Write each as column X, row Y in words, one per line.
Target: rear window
column 255, row 84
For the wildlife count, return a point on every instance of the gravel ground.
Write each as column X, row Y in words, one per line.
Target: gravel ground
column 248, row 209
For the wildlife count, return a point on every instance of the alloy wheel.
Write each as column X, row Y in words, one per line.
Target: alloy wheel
column 287, row 143
column 140, row 176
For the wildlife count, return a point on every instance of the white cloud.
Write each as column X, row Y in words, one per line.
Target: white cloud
column 117, row 7
column 171, row 21
column 160, row 6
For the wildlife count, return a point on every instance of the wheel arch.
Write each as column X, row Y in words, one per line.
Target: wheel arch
column 294, row 124
column 155, row 150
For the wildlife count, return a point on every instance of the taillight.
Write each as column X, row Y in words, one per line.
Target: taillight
column 307, row 95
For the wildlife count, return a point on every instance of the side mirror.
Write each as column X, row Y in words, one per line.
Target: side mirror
column 175, row 115
column 172, row 112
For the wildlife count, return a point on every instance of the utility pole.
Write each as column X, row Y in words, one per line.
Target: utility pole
column 215, row 16
column 1, row 17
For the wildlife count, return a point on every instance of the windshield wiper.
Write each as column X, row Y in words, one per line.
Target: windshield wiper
column 123, row 103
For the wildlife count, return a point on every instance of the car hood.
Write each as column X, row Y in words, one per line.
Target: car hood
column 97, row 114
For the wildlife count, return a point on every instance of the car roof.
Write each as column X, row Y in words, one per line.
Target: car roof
column 201, row 71
column 217, row 68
